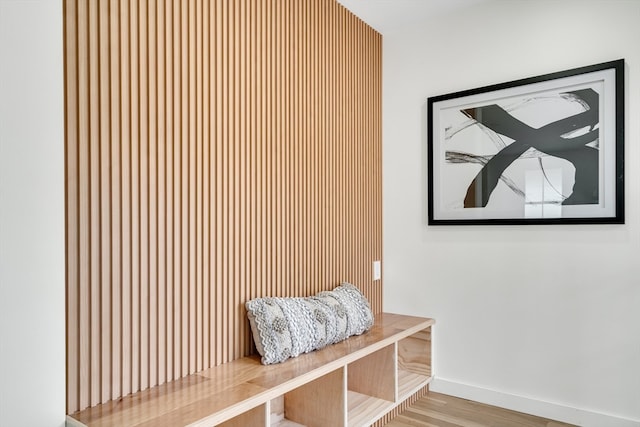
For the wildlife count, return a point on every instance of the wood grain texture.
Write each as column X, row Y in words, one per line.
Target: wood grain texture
column 216, row 151
column 414, row 353
column 375, row 375
column 440, row 410
column 319, row 403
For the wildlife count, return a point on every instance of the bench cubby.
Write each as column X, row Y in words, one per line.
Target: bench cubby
column 414, row 362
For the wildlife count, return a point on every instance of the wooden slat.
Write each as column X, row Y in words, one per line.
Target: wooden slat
column 72, row 200
column 115, row 202
column 215, row 152
column 84, row 320
column 136, row 266
column 94, row 219
column 125, row 199
column 153, row 208
column 143, row 212
column 162, row 191
column 104, row 336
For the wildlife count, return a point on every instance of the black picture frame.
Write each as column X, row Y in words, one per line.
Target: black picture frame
column 540, row 150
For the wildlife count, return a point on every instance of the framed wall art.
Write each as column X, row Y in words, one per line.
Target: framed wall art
column 542, row 150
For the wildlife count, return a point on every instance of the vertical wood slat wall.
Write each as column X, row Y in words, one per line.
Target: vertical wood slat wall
column 216, row 151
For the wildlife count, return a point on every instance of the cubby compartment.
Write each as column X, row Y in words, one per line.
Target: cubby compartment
column 317, row 403
column 371, row 385
column 414, row 362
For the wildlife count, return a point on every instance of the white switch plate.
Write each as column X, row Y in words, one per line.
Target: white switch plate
column 376, row 270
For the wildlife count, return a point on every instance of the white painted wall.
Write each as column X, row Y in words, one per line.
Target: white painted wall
column 544, row 319
column 32, row 292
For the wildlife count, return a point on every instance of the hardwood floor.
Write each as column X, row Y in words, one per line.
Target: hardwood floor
column 439, row 410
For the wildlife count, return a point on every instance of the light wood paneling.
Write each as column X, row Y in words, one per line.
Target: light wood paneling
column 216, row 151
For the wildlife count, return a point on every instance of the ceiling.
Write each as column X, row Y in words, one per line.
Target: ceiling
column 389, row 15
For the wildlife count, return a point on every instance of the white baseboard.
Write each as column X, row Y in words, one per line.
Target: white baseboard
column 527, row 405
column 72, row 422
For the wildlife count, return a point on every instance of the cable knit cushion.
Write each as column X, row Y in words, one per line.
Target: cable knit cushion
column 287, row 327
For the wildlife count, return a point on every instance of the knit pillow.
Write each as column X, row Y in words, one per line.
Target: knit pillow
column 287, row 327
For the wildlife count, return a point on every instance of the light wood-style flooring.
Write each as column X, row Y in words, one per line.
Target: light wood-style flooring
column 439, row 410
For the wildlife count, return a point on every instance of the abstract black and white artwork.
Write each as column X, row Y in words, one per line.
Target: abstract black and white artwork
column 546, row 149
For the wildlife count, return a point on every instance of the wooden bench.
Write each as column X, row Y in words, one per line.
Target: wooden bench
column 352, row 383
